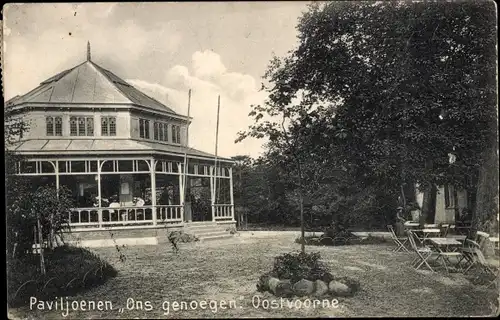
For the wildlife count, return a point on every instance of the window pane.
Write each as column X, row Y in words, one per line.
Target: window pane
column 107, row 166
column 72, row 126
column 47, row 167
column 142, row 165
column 159, row 166
column 28, row 167
column 125, row 165
column 49, row 121
column 160, row 131
column 62, row 166
column 104, row 126
column 141, row 128
column 90, row 126
column 112, row 126
column 81, row 126
column 58, row 126
column 178, row 134
column 77, row 166
column 146, row 127
column 93, row 166
column 155, row 132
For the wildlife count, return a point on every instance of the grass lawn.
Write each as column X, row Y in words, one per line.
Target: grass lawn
column 228, row 270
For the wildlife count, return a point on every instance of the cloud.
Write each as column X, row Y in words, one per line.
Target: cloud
column 237, row 92
column 40, row 42
column 207, row 64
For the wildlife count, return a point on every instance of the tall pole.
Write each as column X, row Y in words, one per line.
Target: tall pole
column 185, row 154
column 215, row 166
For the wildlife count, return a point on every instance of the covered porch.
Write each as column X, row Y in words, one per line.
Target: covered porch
column 137, row 191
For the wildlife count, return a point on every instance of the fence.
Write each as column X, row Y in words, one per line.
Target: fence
column 106, row 217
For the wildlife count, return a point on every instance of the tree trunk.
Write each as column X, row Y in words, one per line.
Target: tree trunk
column 52, row 234
column 302, row 229
column 428, row 206
column 486, row 210
column 40, row 242
column 428, row 198
column 301, row 206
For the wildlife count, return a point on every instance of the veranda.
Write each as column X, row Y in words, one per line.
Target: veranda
column 105, row 189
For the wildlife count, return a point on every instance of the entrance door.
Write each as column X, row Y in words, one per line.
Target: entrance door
column 198, row 196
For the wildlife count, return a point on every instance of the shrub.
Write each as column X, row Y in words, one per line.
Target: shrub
column 339, row 240
column 180, row 236
column 232, row 230
column 24, row 206
column 24, row 278
column 297, row 266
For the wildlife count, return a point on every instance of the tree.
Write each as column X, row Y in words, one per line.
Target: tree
column 393, row 87
column 44, row 209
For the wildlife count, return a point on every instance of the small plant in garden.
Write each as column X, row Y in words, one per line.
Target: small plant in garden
column 297, row 266
column 232, row 230
column 180, row 236
column 122, row 256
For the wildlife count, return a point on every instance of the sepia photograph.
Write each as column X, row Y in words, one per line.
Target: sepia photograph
column 275, row 159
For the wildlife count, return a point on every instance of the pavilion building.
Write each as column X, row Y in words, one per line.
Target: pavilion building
column 123, row 154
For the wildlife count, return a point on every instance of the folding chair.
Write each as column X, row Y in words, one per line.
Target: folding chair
column 486, row 266
column 469, row 250
column 444, row 230
column 445, row 256
column 423, row 253
column 399, row 241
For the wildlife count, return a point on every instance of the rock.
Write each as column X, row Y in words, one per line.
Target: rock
column 272, row 283
column 338, row 288
column 321, row 288
column 263, row 283
column 283, row 289
column 303, row 288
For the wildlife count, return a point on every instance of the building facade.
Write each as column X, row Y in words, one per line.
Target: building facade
column 123, row 155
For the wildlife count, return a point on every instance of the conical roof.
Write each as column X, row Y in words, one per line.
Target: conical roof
column 88, row 83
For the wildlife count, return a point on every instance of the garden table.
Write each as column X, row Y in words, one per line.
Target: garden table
column 458, row 237
column 446, row 247
column 426, row 233
column 495, row 242
column 410, row 225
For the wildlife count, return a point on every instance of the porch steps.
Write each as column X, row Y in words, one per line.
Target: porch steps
column 206, row 231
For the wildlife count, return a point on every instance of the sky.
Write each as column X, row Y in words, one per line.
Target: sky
column 163, row 49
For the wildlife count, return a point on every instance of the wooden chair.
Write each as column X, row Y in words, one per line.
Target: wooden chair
column 470, row 249
column 487, row 266
column 399, row 241
column 445, row 228
column 423, row 253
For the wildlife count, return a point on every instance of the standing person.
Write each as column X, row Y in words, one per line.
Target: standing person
column 400, row 228
column 115, row 204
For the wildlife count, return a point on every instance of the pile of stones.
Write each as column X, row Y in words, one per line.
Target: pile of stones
column 340, row 287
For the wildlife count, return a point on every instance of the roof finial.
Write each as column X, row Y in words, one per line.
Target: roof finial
column 88, row 50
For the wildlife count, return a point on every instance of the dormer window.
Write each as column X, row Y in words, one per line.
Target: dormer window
column 53, row 126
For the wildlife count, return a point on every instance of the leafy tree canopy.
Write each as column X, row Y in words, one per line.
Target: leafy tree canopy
column 386, row 91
